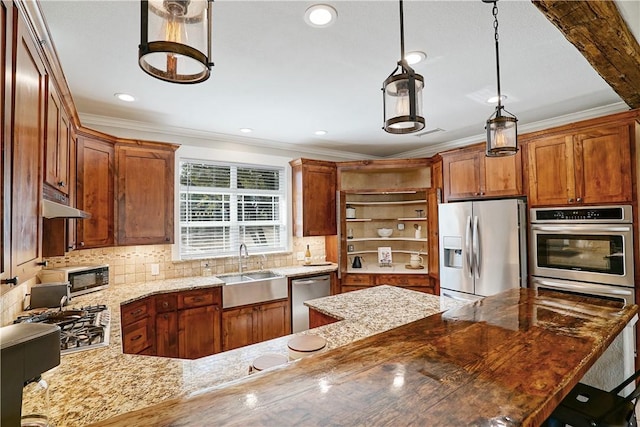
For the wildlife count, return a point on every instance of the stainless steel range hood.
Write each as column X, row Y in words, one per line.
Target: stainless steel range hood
column 57, row 210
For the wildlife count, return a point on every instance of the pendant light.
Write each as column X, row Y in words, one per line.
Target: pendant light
column 402, row 95
column 502, row 129
column 175, row 40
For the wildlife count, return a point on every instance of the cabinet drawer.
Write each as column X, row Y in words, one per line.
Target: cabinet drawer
column 134, row 311
column 199, row 298
column 357, row 279
column 164, row 303
column 136, row 337
column 403, row 280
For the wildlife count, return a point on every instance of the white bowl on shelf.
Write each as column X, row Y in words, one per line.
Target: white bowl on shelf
column 385, row 232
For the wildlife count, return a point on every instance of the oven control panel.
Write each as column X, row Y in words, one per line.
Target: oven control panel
column 608, row 214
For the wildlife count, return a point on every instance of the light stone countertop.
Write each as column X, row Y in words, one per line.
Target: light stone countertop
column 94, row 385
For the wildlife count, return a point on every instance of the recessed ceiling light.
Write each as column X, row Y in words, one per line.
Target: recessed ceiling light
column 124, row 97
column 320, row 132
column 320, row 15
column 415, row 57
column 246, row 130
column 494, row 99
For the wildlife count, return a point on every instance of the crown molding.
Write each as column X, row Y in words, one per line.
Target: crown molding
column 433, row 149
column 89, row 120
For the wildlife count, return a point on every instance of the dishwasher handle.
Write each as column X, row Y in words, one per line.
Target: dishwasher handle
column 310, row 280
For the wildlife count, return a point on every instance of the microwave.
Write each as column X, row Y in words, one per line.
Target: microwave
column 82, row 279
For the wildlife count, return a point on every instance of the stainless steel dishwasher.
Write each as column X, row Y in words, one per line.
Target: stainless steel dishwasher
column 302, row 290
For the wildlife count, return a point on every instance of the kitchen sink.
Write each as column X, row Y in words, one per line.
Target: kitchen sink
column 259, row 275
column 253, row 288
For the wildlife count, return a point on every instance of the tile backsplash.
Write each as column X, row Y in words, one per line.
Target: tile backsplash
column 134, row 264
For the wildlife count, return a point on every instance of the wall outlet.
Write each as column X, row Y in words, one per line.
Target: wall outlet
column 300, row 256
column 155, row 269
column 400, row 226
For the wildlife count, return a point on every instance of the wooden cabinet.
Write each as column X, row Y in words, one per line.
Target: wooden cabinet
column 434, row 196
column 145, row 194
column 137, row 327
column 317, row 319
column 314, row 197
column 417, row 282
column 23, row 126
column 183, row 324
column 95, row 192
column 57, row 138
column 251, row 324
column 588, row 166
column 469, row 174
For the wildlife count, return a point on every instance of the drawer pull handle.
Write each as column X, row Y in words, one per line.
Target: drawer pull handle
column 198, row 299
column 165, row 304
column 136, row 338
column 136, row 312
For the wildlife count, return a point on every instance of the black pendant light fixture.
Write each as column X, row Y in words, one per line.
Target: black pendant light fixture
column 402, row 95
column 175, row 40
column 502, row 128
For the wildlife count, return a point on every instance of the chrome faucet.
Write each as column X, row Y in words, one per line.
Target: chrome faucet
column 240, row 257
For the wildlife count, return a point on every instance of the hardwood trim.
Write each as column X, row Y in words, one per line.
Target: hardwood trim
column 599, row 32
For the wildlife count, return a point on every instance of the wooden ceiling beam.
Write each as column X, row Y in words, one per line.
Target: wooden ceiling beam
column 598, row 31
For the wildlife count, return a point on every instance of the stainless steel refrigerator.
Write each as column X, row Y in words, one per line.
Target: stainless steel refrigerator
column 482, row 247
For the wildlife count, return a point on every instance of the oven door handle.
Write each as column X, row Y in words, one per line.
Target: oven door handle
column 580, row 288
column 580, row 228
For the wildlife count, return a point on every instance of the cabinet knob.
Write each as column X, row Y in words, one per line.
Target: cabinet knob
column 570, row 200
column 12, row 281
column 579, row 200
column 165, row 304
column 61, row 184
column 81, row 244
column 166, row 239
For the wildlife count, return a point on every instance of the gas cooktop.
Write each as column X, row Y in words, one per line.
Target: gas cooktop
column 84, row 328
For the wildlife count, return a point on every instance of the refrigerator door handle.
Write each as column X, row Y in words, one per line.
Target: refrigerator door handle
column 467, row 246
column 476, row 247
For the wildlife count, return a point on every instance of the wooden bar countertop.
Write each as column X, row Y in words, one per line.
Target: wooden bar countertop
column 506, row 360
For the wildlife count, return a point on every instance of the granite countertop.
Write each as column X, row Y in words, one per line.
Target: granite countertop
column 506, row 360
column 95, row 385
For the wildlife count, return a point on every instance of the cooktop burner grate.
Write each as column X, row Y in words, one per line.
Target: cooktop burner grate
column 82, row 328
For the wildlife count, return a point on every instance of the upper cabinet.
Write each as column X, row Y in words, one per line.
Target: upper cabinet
column 57, row 138
column 589, row 166
column 314, row 197
column 95, row 192
column 469, row 174
column 145, row 193
column 24, row 96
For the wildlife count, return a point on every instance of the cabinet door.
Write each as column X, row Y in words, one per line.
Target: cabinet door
column 314, row 198
column 462, row 175
column 29, row 94
column 603, row 165
column 137, row 336
column 502, row 176
column 550, row 166
column 95, row 193
column 199, row 331
column 274, row 320
column 239, row 326
column 6, row 32
column 167, row 334
column 432, row 230
column 145, row 195
column 56, row 160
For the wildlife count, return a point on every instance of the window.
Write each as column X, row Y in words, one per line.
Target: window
column 223, row 205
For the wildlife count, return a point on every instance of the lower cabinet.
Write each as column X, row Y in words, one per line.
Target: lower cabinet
column 246, row 325
column 317, row 319
column 416, row 282
column 185, row 325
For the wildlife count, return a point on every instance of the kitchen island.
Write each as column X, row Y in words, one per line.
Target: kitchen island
column 98, row 384
column 505, row 360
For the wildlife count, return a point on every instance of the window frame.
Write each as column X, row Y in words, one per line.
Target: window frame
column 235, row 194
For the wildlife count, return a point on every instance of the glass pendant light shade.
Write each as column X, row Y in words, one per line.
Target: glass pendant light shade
column 175, row 40
column 502, row 135
column 403, row 102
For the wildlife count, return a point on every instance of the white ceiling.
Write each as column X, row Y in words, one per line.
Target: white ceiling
column 284, row 79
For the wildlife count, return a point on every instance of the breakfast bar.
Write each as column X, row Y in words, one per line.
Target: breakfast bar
column 505, row 360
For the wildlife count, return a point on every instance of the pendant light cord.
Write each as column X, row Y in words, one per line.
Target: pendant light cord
column 401, row 33
column 495, row 27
